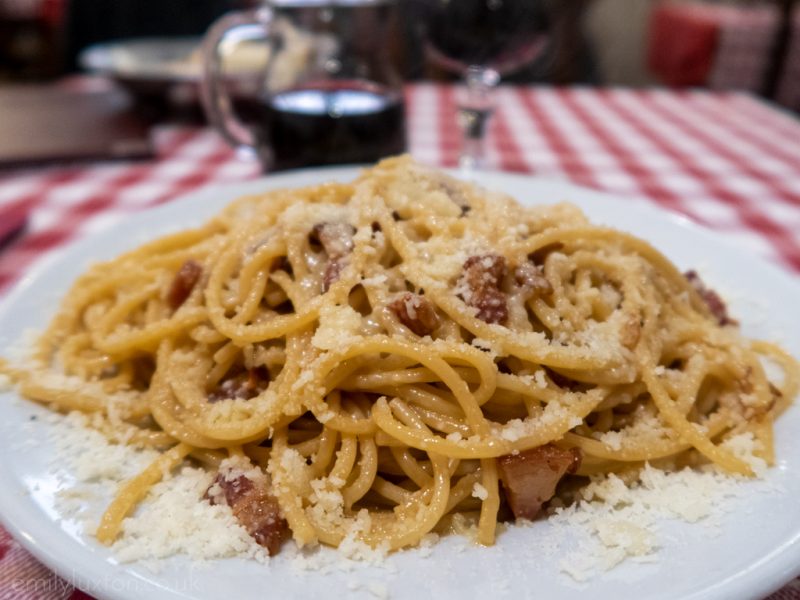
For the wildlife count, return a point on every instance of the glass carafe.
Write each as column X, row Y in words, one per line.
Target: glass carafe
column 330, row 94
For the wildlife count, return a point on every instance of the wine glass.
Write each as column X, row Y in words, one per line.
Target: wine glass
column 482, row 40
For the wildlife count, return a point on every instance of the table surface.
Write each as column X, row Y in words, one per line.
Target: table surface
column 727, row 161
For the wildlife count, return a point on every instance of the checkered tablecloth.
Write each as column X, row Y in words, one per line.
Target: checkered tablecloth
column 726, row 160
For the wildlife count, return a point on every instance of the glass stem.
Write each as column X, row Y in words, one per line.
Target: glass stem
column 474, row 111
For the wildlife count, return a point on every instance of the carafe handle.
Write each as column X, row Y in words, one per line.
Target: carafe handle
column 236, row 27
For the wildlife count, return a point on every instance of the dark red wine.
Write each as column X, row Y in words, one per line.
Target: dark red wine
column 499, row 34
column 331, row 124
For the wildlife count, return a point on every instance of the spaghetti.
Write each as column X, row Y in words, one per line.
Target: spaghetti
column 373, row 358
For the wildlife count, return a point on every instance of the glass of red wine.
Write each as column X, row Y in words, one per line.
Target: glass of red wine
column 482, row 40
column 329, row 92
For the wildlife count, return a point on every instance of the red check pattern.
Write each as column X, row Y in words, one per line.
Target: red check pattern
column 725, row 160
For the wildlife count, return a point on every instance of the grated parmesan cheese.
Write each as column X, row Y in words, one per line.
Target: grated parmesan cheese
column 375, row 281
column 174, row 520
column 612, row 439
column 480, row 492
column 539, row 378
column 615, row 522
column 646, row 428
column 411, row 302
column 746, row 447
column 338, row 327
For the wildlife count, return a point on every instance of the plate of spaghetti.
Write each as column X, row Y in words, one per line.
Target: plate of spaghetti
column 388, row 382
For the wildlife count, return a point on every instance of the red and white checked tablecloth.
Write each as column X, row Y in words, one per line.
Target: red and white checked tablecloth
column 725, row 160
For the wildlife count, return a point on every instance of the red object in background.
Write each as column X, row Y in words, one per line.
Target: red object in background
column 52, row 12
column 682, row 43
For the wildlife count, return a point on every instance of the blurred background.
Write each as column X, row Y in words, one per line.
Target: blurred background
column 739, row 44
column 89, row 78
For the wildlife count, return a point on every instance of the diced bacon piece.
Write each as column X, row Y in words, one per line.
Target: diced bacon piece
column 715, row 304
column 492, row 306
column 333, row 271
column 244, row 386
column 486, row 270
column 532, row 280
column 252, row 505
column 262, row 519
column 481, row 283
column 336, row 238
column 233, row 490
column 530, row 478
column 183, row 283
column 337, row 241
column 415, row 312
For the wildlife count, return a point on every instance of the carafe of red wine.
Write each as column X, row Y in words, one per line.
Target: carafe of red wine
column 330, row 94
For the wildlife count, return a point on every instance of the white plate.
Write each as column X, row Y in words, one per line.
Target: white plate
column 147, row 59
column 756, row 550
column 156, row 65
